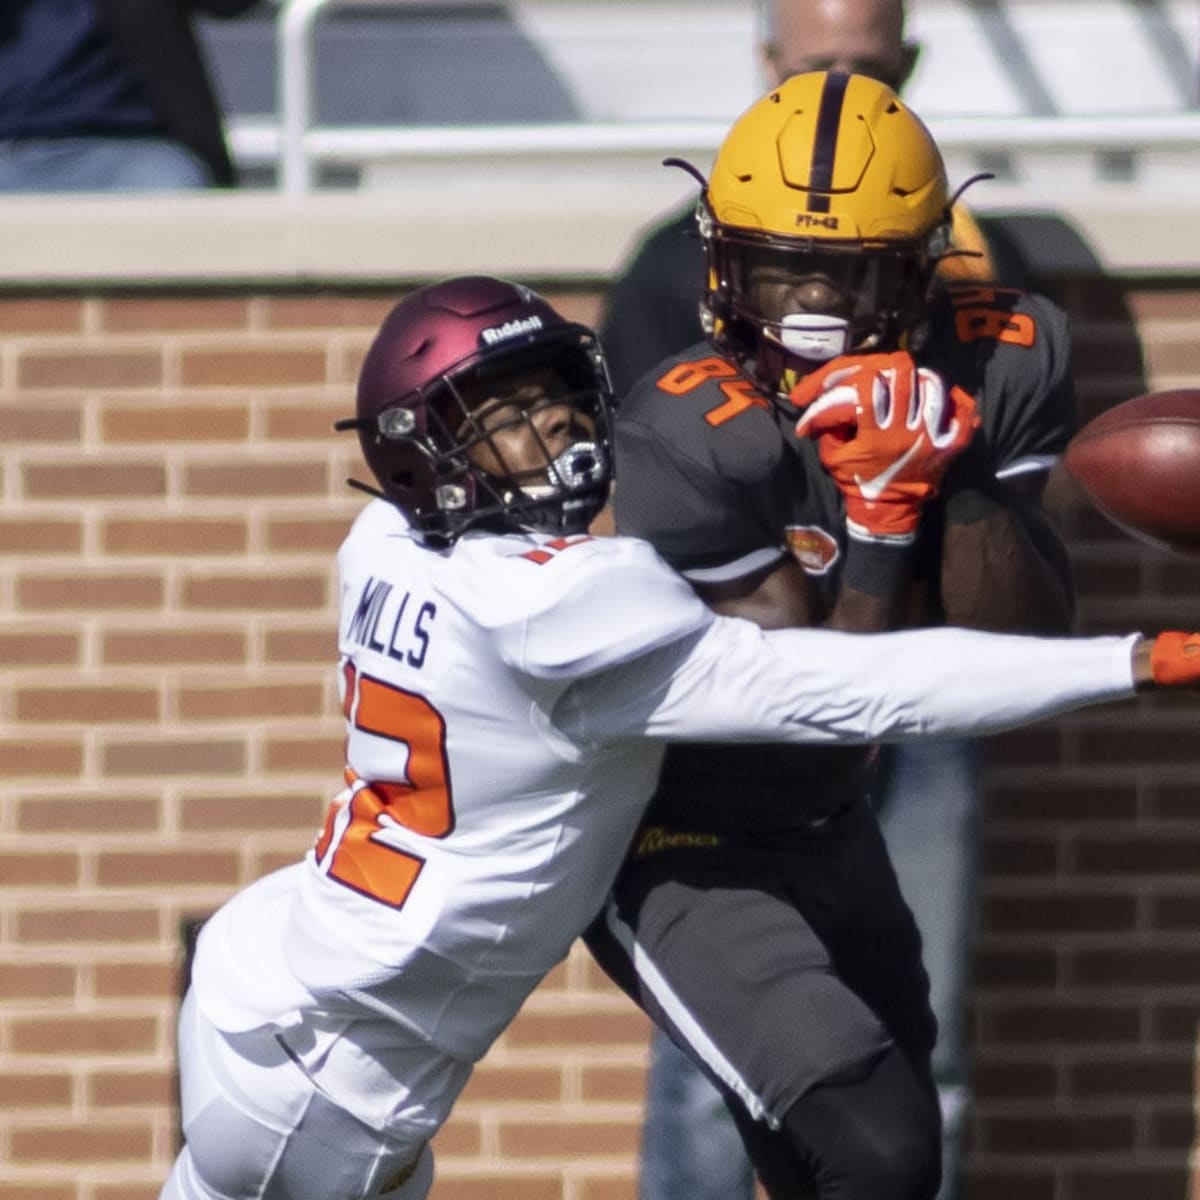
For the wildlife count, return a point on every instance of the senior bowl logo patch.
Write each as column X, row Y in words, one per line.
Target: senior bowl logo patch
column 815, row 550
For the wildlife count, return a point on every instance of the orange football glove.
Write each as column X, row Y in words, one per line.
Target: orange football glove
column 886, row 431
column 1175, row 659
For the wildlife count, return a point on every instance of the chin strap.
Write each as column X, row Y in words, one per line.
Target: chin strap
column 814, row 337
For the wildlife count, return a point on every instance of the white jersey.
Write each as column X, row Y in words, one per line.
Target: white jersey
column 507, row 702
column 476, row 838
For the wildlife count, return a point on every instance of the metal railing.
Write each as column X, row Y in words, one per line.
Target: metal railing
column 299, row 148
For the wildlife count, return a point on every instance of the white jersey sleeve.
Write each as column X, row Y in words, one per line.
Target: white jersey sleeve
column 734, row 682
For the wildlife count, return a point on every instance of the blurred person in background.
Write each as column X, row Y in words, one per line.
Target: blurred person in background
column 109, row 96
column 928, row 797
column 652, row 307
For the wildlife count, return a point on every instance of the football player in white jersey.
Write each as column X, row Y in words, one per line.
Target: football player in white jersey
column 508, row 686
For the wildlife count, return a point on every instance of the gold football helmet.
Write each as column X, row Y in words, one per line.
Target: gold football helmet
column 823, row 223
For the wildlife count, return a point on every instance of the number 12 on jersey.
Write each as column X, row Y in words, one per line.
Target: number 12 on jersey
column 350, row 848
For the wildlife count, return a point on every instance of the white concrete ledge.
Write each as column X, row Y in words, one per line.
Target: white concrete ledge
column 544, row 223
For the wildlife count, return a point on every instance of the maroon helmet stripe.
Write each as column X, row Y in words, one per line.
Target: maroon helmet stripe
column 829, row 119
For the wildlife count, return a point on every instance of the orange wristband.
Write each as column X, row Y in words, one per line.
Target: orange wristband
column 1175, row 658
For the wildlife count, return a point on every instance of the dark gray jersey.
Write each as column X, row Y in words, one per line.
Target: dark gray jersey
column 711, row 473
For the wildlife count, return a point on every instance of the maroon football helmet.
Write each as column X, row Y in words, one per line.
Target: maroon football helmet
column 441, row 349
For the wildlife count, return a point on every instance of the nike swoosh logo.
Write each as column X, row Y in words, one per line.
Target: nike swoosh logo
column 872, row 489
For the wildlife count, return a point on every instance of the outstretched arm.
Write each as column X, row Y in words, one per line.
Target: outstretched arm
column 734, row 682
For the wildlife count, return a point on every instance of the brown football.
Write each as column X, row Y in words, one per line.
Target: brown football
column 1139, row 464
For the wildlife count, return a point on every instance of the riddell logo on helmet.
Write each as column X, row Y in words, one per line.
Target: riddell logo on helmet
column 510, row 329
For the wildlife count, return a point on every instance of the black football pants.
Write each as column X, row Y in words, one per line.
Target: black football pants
column 792, row 976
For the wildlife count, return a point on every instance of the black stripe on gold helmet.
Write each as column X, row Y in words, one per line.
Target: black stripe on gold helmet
column 823, row 222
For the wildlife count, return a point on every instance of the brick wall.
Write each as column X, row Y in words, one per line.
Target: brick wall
column 170, row 499
column 1087, row 987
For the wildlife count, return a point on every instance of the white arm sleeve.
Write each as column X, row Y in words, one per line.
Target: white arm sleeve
column 733, row 682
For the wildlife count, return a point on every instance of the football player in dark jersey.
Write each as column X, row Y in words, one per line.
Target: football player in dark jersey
column 801, row 466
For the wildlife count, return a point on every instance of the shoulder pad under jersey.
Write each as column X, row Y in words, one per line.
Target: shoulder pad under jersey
column 563, row 608
column 1012, row 351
